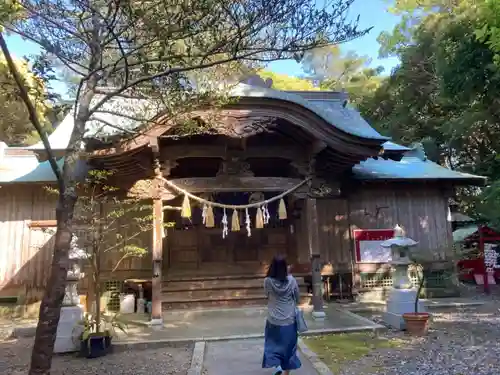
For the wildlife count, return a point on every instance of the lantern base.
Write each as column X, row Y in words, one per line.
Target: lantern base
column 399, row 302
column 69, row 329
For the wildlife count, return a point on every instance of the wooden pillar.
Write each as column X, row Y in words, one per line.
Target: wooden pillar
column 156, row 313
column 157, row 253
column 314, row 252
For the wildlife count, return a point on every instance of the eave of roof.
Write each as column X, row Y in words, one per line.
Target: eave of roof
column 410, row 168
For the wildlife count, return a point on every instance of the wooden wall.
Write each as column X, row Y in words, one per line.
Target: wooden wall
column 25, row 252
column 421, row 209
column 26, row 248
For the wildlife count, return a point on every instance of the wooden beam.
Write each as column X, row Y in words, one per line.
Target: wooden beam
column 42, row 223
column 210, row 151
column 235, row 184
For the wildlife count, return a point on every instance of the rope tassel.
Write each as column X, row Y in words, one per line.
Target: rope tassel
column 224, row 224
column 259, row 219
column 186, row 207
column 209, row 217
column 282, row 210
column 235, row 222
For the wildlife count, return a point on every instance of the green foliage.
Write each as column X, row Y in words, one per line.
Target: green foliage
column 339, row 71
column 287, row 83
column 15, row 126
column 445, row 91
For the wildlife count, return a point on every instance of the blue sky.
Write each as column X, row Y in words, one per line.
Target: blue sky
column 373, row 13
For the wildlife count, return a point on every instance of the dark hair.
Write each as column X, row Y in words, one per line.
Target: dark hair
column 278, row 269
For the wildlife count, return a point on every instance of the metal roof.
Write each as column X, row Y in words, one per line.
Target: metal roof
column 462, row 234
column 459, row 217
column 26, row 169
column 330, row 109
column 409, row 168
column 391, row 146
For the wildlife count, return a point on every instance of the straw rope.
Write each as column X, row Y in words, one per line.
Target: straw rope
column 231, row 206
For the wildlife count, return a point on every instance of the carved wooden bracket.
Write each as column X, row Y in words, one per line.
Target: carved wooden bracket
column 378, row 209
column 167, row 166
column 234, row 166
column 320, row 188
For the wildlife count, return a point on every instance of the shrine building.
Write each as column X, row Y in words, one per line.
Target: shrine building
column 341, row 186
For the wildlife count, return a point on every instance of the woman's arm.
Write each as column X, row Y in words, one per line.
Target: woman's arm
column 266, row 288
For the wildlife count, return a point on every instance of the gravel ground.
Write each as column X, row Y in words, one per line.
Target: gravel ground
column 15, row 358
column 462, row 341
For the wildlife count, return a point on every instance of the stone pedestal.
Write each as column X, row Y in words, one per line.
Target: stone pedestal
column 69, row 330
column 317, row 286
column 399, row 302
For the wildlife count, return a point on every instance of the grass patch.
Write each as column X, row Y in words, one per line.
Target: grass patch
column 337, row 350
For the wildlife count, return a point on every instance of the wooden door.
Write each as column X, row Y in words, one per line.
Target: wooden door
column 204, row 250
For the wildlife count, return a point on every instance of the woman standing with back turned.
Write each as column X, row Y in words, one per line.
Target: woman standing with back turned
column 282, row 292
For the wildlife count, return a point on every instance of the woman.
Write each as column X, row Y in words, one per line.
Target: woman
column 282, row 292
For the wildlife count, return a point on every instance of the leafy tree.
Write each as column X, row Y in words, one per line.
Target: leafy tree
column 336, row 71
column 445, row 91
column 15, row 126
column 108, row 226
column 169, row 54
column 286, row 82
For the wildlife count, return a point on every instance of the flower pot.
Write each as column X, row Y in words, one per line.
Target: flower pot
column 417, row 323
column 96, row 345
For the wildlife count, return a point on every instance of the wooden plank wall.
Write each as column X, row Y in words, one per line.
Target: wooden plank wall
column 421, row 209
column 26, row 250
column 25, row 253
column 334, row 234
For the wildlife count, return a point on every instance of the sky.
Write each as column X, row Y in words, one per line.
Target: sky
column 372, row 13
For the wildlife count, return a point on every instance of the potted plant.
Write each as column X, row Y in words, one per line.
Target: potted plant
column 417, row 322
column 96, row 337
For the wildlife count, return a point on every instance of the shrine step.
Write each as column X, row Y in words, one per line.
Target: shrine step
column 169, row 303
column 217, row 291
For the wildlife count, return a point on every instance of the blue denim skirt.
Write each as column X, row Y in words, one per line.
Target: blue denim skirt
column 280, row 347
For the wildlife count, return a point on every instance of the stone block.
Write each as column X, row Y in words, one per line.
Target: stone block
column 399, row 302
column 69, row 330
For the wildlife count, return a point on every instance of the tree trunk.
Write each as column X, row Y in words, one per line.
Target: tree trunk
column 50, row 308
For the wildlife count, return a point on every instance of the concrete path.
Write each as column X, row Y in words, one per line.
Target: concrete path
column 243, row 357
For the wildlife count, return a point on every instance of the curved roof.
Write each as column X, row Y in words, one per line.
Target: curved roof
column 331, row 110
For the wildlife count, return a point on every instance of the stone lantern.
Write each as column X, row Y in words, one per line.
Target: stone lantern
column 402, row 297
column 71, row 311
